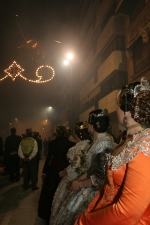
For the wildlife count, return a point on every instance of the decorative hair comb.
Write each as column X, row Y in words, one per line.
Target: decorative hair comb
column 104, row 112
column 144, row 86
column 83, row 126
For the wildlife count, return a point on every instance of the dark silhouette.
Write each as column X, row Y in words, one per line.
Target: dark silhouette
column 1, row 152
column 11, row 152
column 39, row 143
column 56, row 161
column 45, row 146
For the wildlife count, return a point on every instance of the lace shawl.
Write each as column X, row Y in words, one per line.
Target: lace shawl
column 103, row 141
column 139, row 143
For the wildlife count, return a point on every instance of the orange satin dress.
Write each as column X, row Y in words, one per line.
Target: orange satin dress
column 125, row 198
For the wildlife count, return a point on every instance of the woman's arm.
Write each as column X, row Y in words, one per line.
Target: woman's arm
column 76, row 185
column 133, row 201
column 62, row 173
column 96, row 174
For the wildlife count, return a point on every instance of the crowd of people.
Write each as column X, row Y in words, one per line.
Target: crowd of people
column 23, row 152
column 96, row 179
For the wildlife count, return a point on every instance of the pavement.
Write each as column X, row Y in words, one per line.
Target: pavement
column 19, row 206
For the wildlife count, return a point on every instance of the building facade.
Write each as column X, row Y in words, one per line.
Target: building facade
column 115, row 50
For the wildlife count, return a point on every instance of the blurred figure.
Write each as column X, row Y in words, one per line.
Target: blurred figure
column 69, row 135
column 1, row 151
column 54, row 135
column 45, row 146
column 28, row 149
column 56, row 161
column 11, row 150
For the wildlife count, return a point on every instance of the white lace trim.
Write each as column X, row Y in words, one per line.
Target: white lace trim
column 139, row 143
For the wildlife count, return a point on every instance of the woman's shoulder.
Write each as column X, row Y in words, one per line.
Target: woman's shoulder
column 142, row 134
column 140, row 143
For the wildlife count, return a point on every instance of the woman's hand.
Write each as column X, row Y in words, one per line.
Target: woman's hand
column 75, row 185
column 62, row 173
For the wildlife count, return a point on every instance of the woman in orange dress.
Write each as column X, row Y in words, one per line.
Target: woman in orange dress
column 125, row 197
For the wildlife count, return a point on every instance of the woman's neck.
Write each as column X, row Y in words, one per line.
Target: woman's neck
column 134, row 128
column 95, row 135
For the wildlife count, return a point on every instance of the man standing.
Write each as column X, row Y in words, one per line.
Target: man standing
column 11, row 150
column 27, row 152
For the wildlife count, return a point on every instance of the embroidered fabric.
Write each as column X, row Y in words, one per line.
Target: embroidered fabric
column 103, row 140
column 144, row 86
column 76, row 149
column 139, row 143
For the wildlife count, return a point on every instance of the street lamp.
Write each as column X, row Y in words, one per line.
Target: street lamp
column 69, row 56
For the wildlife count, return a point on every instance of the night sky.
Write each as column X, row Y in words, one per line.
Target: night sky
column 41, row 23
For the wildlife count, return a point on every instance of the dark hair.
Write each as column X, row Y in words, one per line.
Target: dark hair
column 101, row 124
column 13, row 130
column 126, row 96
column 36, row 134
column 60, row 130
column 140, row 109
column 99, row 119
column 29, row 132
column 135, row 98
column 81, row 130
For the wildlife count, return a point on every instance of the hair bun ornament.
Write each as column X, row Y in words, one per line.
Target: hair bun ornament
column 81, row 125
column 85, row 125
column 144, row 86
column 104, row 112
column 96, row 114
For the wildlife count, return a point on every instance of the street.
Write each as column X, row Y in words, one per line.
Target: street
column 19, row 206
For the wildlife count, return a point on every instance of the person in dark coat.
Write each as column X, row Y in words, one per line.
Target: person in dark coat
column 39, row 143
column 1, row 152
column 45, row 146
column 11, row 150
column 55, row 162
column 1, row 147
